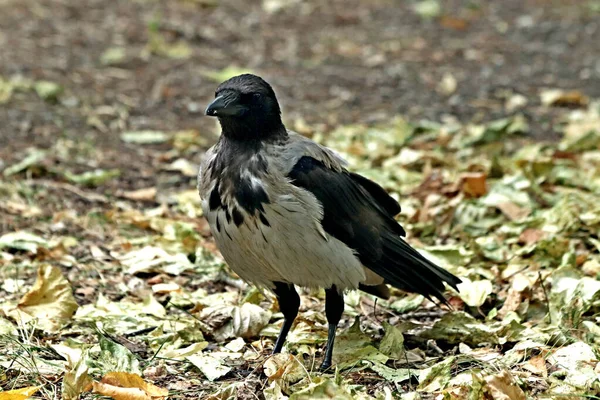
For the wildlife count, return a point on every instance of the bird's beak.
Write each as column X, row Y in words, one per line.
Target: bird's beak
column 225, row 106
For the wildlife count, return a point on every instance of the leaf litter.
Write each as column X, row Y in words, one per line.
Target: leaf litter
column 134, row 301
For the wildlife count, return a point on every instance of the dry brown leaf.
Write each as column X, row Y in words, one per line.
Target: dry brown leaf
column 562, row 98
column 502, row 387
column 456, row 23
column 518, row 292
column 50, row 301
column 146, row 194
column 474, row 184
column 537, row 365
column 513, row 211
column 531, row 236
column 19, row 394
column 119, row 393
column 285, row 369
column 128, row 386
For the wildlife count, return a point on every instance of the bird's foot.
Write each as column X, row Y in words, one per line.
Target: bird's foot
column 325, row 366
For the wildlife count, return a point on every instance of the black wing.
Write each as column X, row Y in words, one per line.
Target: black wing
column 360, row 213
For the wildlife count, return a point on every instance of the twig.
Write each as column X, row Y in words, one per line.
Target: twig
column 545, row 295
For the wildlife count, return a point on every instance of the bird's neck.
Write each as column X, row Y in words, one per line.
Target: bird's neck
column 253, row 129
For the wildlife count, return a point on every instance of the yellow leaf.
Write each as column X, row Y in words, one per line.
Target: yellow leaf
column 76, row 379
column 50, row 301
column 127, row 386
column 119, row 393
column 19, row 394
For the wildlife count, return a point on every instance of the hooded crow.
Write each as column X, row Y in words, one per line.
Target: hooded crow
column 285, row 211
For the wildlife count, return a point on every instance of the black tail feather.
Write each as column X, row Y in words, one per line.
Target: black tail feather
column 408, row 270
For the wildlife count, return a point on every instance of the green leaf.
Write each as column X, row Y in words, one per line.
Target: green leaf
column 92, row 178
column 34, row 158
column 428, row 9
column 353, row 346
column 407, row 303
column 48, row 91
column 392, row 344
column 113, row 56
column 115, row 357
column 436, row 377
column 396, row 375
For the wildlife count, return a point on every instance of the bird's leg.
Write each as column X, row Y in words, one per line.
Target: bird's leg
column 289, row 303
column 334, row 308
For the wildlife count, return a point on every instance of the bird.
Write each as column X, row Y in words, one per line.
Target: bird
column 286, row 211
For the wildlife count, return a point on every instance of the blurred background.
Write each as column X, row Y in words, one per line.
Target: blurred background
column 130, row 65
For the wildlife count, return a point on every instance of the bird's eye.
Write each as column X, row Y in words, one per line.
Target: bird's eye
column 257, row 95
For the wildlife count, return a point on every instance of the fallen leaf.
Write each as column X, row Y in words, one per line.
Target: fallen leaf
column 162, row 288
column 428, row 9
column 515, row 102
column 92, row 178
column 447, row 85
column 513, row 211
column 212, row 367
column 146, row 194
column 531, row 236
column 113, row 56
column 34, row 158
column 396, row 375
column 353, row 347
column 76, row 379
column 184, row 166
column 47, row 90
column 22, row 240
column 503, row 387
column 285, row 369
column 225, row 73
column 128, row 386
column 19, row 394
column 474, row 184
column 159, row 46
column 520, row 285
column 474, row 293
column 155, row 259
column 145, row 137
column 455, row 23
column 576, row 361
column 562, row 98
column 228, row 321
column 49, row 302
column 392, row 343
column 181, row 353
column 536, row 365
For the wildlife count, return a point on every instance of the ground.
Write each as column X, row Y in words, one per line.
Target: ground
column 481, row 117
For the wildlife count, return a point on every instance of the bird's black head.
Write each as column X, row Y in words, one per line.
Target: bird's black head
column 247, row 109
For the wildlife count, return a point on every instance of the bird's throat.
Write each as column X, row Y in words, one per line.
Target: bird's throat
column 252, row 129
